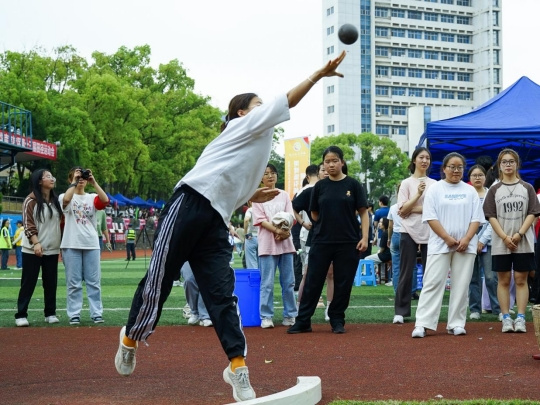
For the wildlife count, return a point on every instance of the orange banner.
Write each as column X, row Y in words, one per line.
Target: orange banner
column 297, row 151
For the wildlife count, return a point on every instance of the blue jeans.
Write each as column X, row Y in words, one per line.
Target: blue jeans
column 18, row 254
column 82, row 265
column 394, row 251
column 268, row 265
column 193, row 295
column 252, row 259
column 5, row 256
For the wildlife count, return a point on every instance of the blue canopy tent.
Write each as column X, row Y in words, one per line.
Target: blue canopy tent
column 123, row 200
column 139, row 202
column 509, row 120
column 153, row 203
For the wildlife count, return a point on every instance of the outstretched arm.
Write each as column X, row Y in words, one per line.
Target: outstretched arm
column 297, row 93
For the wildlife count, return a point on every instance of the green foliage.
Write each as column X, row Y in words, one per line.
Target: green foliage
column 375, row 161
column 138, row 128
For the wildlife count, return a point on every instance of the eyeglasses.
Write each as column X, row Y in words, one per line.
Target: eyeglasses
column 455, row 168
column 270, row 174
column 49, row 178
column 477, row 176
column 508, row 162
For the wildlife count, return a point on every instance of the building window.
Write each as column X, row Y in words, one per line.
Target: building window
column 466, row 3
column 398, row 91
column 398, row 71
column 447, row 18
column 431, row 36
column 433, row 55
column 460, row 19
column 330, row 109
column 381, row 12
column 330, row 11
column 432, row 93
column 447, row 75
column 330, row 129
column 330, row 30
column 495, row 3
column 496, row 38
column 381, row 71
column 414, row 53
column 414, row 15
column 464, row 95
column 496, row 18
column 464, row 77
column 414, row 34
column 496, row 57
column 415, row 92
column 399, row 110
column 431, row 1
column 497, row 76
column 447, row 94
column 399, row 130
column 381, row 32
column 463, row 57
column 463, row 39
column 447, row 37
column 431, row 17
column 447, row 56
column 398, row 13
column 447, row 1
column 381, row 90
column 381, row 51
column 382, row 129
column 382, row 109
column 330, row 50
column 330, row 89
column 432, row 74
column 398, row 52
column 398, row 32
column 415, row 73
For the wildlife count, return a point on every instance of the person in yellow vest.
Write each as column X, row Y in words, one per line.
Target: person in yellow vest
column 5, row 243
column 130, row 243
column 17, row 241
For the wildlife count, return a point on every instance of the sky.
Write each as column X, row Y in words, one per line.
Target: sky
column 228, row 46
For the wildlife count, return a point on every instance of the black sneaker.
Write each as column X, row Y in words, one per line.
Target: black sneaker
column 98, row 319
column 299, row 328
column 338, row 328
column 75, row 320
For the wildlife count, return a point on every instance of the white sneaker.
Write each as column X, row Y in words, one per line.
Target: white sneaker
column 125, row 360
column 458, row 330
column 519, row 325
column 21, row 322
column 288, row 322
column 507, row 325
column 389, row 284
column 320, row 304
column 51, row 319
column 206, row 323
column 193, row 319
column 500, row 317
column 177, row 283
column 186, row 311
column 474, row 315
column 239, row 380
column 398, row 319
column 267, row 323
column 418, row 332
column 326, row 317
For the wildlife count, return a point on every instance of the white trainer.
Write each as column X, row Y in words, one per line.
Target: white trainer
column 458, row 330
column 239, row 380
column 193, row 319
column 474, row 315
column 418, row 332
column 398, row 319
column 288, row 321
column 125, row 360
column 519, row 325
column 326, row 317
column 51, row 319
column 21, row 322
column 507, row 325
column 206, row 323
column 267, row 323
column 186, row 311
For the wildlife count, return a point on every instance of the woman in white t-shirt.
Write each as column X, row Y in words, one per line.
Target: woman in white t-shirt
column 453, row 211
column 80, row 244
column 414, row 234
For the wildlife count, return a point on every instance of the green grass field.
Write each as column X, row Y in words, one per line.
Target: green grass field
column 368, row 305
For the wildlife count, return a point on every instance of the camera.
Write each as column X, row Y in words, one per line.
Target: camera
column 85, row 174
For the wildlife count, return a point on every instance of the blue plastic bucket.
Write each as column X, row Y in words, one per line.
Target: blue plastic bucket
column 247, row 288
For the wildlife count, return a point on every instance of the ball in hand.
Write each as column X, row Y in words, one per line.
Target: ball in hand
column 348, row 34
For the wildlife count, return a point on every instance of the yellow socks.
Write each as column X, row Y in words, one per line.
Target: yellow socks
column 129, row 342
column 237, row 361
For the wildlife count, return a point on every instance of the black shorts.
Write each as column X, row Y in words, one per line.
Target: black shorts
column 520, row 262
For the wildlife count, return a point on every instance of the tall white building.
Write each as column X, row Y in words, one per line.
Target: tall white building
column 410, row 53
